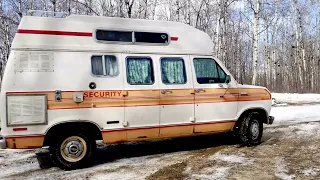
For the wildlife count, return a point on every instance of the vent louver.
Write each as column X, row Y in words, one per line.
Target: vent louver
column 26, row 109
column 34, row 62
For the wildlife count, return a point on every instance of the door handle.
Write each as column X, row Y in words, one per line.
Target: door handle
column 200, row 90
column 166, row 91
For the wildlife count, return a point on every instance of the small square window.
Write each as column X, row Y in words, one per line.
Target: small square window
column 140, row 71
column 173, row 71
column 104, row 65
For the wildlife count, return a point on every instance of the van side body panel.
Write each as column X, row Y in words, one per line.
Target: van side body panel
column 45, row 61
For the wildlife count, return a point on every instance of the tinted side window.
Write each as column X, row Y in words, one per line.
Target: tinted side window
column 222, row 74
column 96, row 65
column 208, row 71
column 104, row 65
column 173, row 71
column 120, row 36
column 140, row 71
column 150, row 37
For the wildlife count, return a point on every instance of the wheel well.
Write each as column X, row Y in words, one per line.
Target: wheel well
column 263, row 116
column 88, row 127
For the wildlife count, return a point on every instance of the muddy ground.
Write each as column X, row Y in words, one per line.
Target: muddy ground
column 287, row 152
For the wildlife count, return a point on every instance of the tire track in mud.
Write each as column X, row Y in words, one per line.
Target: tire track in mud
column 178, row 170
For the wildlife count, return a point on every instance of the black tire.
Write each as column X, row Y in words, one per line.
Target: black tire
column 65, row 164
column 251, row 129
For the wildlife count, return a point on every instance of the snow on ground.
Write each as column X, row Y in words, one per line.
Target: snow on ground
column 215, row 172
column 289, row 108
column 282, row 170
column 239, row 159
column 296, row 113
column 296, row 98
column 311, row 172
column 9, row 157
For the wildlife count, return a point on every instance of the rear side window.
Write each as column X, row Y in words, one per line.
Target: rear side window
column 104, row 65
column 173, row 71
column 150, row 37
column 208, row 71
column 117, row 36
column 140, row 71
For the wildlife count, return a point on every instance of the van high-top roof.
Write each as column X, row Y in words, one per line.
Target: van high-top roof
column 78, row 33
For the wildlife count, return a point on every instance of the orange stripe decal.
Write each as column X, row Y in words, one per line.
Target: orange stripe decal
column 168, row 131
column 24, row 142
column 151, row 97
column 133, row 134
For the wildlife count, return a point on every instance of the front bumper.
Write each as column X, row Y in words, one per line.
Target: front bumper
column 270, row 120
column 3, row 144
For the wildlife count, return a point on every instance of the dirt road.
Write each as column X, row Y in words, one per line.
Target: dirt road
column 287, row 152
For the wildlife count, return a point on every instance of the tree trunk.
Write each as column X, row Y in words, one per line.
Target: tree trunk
column 145, row 9
column 217, row 40
column 299, row 43
column 255, row 40
column 154, row 10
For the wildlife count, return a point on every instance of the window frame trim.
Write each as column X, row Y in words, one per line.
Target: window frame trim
column 152, row 69
column 103, row 66
column 217, row 64
column 133, row 42
column 184, row 68
column 143, row 43
column 94, row 35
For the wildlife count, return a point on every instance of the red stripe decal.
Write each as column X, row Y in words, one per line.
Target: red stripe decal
column 27, row 136
column 174, row 38
column 20, row 129
column 48, row 32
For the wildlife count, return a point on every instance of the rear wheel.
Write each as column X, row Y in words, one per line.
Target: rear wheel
column 73, row 150
column 251, row 129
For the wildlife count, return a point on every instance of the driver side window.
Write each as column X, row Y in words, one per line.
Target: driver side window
column 208, row 71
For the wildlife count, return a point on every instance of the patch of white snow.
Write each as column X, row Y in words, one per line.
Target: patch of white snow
column 310, row 172
column 296, row 98
column 282, row 171
column 215, row 172
column 231, row 159
column 295, row 113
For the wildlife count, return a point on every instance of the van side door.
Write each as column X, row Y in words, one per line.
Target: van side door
column 176, row 96
column 215, row 104
column 142, row 110
column 104, row 95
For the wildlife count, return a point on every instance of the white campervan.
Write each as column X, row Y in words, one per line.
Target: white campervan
column 73, row 80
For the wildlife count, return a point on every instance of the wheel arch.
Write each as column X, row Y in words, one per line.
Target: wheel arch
column 263, row 113
column 93, row 128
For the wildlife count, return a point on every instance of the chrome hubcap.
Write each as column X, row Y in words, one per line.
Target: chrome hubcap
column 255, row 129
column 73, row 148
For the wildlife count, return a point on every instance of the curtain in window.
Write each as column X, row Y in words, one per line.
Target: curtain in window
column 96, row 65
column 172, row 70
column 111, row 65
column 205, row 68
column 139, row 71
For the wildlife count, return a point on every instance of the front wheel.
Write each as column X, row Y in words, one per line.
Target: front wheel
column 251, row 129
column 73, row 150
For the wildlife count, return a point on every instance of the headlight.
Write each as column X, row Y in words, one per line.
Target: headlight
column 26, row 109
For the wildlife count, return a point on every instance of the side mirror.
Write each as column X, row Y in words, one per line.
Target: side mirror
column 228, row 79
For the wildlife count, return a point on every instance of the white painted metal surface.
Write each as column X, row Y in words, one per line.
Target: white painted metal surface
column 59, row 62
